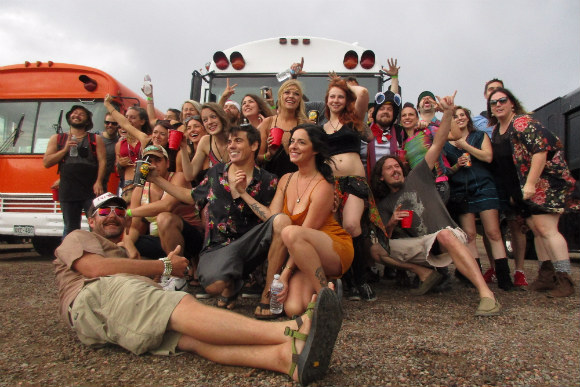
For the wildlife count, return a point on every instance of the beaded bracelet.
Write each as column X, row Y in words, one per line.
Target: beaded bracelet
column 168, row 267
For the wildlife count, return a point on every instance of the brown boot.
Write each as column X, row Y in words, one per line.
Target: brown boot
column 564, row 285
column 546, row 278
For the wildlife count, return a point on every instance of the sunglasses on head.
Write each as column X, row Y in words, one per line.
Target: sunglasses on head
column 494, row 102
column 105, row 211
column 111, row 123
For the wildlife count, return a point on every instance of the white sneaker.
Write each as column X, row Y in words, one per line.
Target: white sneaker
column 175, row 284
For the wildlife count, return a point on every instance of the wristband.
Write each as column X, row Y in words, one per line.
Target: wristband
column 167, row 266
column 394, row 76
column 149, row 98
column 265, row 159
column 289, row 268
column 128, row 212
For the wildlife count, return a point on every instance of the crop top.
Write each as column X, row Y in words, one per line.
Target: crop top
column 344, row 140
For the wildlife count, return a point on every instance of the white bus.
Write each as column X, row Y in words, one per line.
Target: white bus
column 255, row 64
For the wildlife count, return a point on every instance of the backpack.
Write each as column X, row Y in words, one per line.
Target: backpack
column 61, row 142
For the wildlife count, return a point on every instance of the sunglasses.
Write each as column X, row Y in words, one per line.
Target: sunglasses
column 105, row 211
column 494, row 102
column 111, row 123
column 381, row 97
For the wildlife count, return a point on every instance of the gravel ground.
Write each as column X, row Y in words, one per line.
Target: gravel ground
column 398, row 340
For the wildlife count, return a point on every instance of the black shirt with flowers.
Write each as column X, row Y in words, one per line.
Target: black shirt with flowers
column 229, row 218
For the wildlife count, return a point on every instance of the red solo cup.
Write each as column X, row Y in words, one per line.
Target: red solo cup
column 277, row 134
column 175, row 137
column 55, row 194
column 401, row 154
column 408, row 220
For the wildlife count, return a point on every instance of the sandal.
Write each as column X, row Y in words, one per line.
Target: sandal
column 314, row 359
column 259, row 314
column 228, row 303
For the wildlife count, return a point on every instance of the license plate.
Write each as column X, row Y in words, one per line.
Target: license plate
column 23, row 230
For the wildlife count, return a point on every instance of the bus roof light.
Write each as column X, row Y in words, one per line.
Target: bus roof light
column 294, row 41
column 306, row 41
column 237, row 60
column 221, row 61
column 367, row 59
column 38, row 63
column 350, row 59
column 283, row 40
column 89, row 83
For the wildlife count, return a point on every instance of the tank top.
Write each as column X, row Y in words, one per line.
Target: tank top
column 344, row 140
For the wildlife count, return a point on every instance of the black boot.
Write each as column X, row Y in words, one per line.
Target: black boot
column 502, row 272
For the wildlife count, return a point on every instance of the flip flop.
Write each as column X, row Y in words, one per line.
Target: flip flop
column 314, row 360
column 261, row 316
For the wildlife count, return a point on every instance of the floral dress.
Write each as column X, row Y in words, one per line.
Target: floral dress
column 555, row 186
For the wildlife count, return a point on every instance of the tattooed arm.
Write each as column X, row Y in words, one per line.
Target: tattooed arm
column 263, row 212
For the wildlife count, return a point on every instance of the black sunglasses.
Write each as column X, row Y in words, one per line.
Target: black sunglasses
column 494, row 102
column 111, row 123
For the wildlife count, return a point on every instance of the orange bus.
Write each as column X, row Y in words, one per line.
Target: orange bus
column 33, row 97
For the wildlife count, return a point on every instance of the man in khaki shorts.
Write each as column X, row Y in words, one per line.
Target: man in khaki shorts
column 106, row 297
column 432, row 239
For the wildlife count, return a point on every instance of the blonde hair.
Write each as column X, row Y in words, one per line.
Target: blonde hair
column 301, row 111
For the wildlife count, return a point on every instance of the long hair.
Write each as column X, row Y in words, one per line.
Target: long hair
column 470, row 127
column 319, row 140
column 518, row 108
column 265, row 110
column 348, row 114
column 195, row 104
column 301, row 111
column 146, row 128
column 220, row 112
column 378, row 186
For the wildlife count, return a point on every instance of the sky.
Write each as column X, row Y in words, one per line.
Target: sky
column 442, row 46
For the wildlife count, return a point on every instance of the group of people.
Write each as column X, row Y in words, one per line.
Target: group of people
column 318, row 205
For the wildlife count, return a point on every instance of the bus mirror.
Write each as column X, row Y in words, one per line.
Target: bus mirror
column 350, row 59
column 89, row 83
column 196, row 83
column 220, row 60
column 237, row 60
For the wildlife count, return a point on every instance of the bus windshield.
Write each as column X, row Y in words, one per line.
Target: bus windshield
column 40, row 122
column 314, row 85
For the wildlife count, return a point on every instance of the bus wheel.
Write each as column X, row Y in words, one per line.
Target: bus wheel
column 507, row 238
column 45, row 245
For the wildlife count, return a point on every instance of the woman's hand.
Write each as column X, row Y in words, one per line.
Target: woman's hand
column 125, row 161
column 460, row 143
column 148, row 95
column 463, row 160
column 272, row 149
column 393, row 70
column 528, row 191
column 229, row 90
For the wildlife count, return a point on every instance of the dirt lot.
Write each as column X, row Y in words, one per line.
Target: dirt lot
column 398, row 340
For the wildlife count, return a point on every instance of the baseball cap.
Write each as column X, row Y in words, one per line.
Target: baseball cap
column 424, row 94
column 106, row 199
column 155, row 150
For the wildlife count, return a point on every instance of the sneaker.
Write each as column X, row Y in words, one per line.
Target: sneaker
column 489, row 276
column 175, row 284
column 366, row 292
column 520, row 278
column 202, row 294
column 354, row 294
column 252, row 290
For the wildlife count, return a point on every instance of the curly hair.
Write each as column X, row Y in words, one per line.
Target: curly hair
column 348, row 115
column 379, row 188
column 518, row 108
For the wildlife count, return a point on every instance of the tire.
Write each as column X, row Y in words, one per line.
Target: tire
column 45, row 245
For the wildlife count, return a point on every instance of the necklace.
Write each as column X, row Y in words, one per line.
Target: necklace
column 306, row 189
column 334, row 128
column 221, row 158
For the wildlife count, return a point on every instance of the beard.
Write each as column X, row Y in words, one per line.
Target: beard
column 397, row 186
column 384, row 122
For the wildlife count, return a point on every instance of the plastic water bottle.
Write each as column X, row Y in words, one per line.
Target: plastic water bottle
column 284, row 75
column 147, row 85
column 73, row 150
column 277, row 286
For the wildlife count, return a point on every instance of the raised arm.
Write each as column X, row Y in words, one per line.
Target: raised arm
column 228, row 92
column 447, row 105
column 393, row 72
column 192, row 168
column 180, row 193
column 150, row 107
column 362, row 99
column 263, row 212
column 124, row 122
